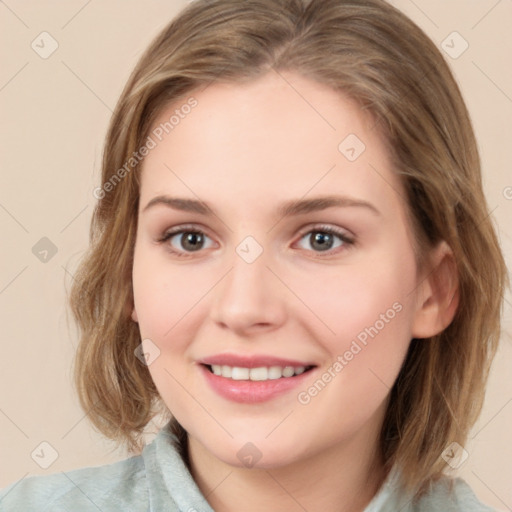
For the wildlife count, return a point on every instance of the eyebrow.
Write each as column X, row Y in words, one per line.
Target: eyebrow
column 293, row 207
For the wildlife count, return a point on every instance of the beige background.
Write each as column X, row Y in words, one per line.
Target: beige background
column 54, row 115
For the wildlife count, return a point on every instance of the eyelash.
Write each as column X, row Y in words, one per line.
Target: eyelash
column 346, row 240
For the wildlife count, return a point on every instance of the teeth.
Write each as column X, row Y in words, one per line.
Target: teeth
column 256, row 374
column 288, row 371
column 239, row 373
column 275, row 372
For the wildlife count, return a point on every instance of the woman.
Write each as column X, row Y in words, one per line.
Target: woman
column 291, row 253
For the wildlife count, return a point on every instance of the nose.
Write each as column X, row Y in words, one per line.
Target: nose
column 250, row 298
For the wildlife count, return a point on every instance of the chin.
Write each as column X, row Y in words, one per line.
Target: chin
column 257, row 454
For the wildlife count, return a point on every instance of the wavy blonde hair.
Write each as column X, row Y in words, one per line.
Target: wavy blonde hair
column 376, row 56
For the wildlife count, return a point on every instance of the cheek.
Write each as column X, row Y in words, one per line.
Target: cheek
column 166, row 301
column 351, row 301
column 366, row 318
column 371, row 320
column 165, row 295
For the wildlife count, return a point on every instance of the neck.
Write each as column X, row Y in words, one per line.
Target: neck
column 341, row 478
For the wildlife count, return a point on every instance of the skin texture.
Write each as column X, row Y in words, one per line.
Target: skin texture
column 245, row 149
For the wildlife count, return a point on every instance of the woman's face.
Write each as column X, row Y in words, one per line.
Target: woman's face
column 290, row 272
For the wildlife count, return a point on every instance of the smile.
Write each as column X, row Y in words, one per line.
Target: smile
column 261, row 373
column 253, row 378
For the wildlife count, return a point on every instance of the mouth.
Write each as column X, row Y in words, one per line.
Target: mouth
column 257, row 374
column 253, row 379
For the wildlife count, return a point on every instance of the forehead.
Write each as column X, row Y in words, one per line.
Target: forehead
column 282, row 136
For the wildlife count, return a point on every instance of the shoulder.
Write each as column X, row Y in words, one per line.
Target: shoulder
column 453, row 495
column 446, row 494
column 105, row 488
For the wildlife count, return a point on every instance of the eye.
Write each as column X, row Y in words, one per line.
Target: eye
column 183, row 240
column 323, row 238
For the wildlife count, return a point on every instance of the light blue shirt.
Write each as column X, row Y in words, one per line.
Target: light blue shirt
column 159, row 481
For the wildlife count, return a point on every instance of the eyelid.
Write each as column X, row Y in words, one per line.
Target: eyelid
column 197, row 227
column 179, row 230
column 326, row 227
column 347, row 238
column 184, row 227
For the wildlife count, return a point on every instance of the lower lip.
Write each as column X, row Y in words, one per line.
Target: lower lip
column 248, row 391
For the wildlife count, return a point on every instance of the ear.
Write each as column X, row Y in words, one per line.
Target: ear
column 134, row 315
column 438, row 293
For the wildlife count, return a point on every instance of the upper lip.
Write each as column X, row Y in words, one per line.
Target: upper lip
column 251, row 361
